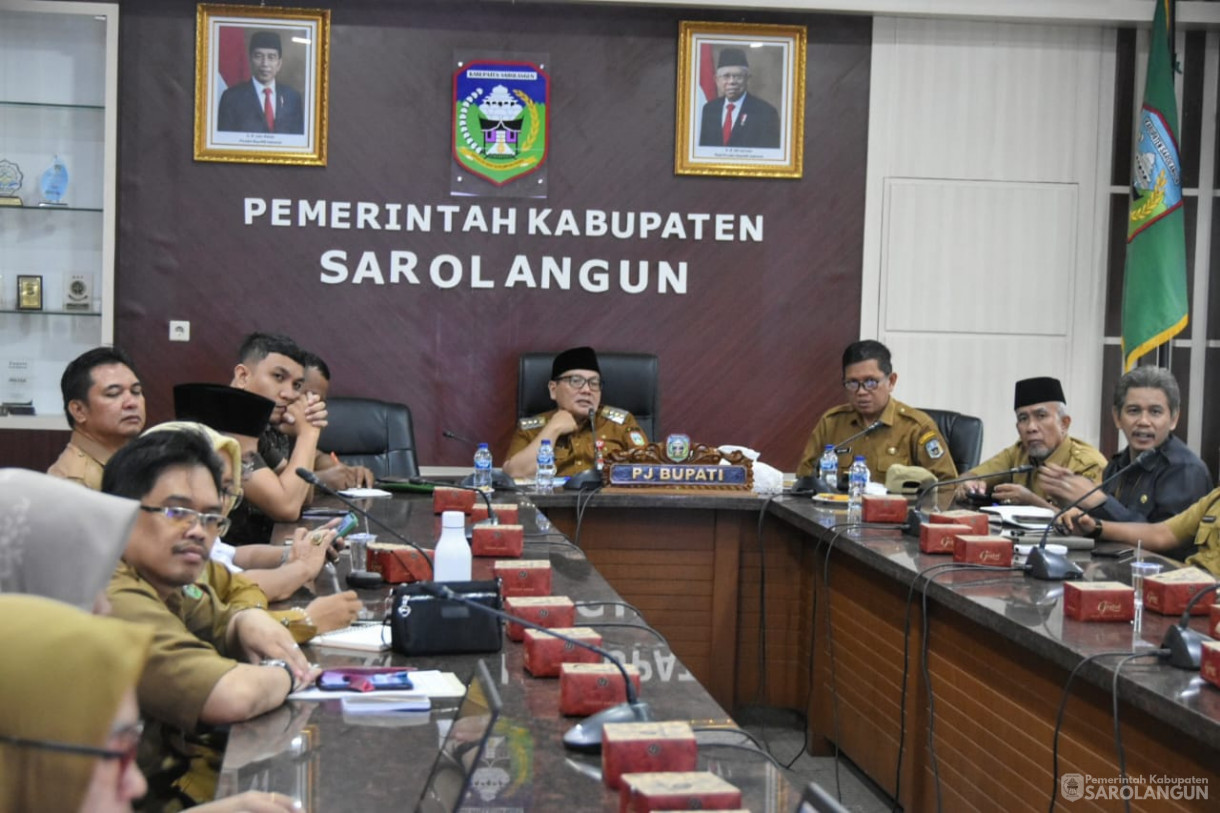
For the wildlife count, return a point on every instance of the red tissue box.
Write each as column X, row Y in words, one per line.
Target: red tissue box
column 545, row 611
column 983, row 550
column 452, row 499
column 884, row 508
column 398, row 564
column 544, row 653
column 1098, row 601
column 587, row 688
column 693, row 790
column 1209, row 665
column 1169, row 593
column 523, row 577
column 506, row 512
column 646, row 748
column 977, row 520
column 1213, row 621
column 497, row 540
column 940, row 538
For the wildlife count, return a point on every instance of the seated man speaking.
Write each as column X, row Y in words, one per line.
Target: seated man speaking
column 209, row 665
column 1042, row 424
column 576, row 389
column 904, row 435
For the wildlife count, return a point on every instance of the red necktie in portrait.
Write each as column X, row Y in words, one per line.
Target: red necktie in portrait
column 728, row 122
column 269, row 111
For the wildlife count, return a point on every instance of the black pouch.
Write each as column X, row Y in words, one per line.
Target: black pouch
column 421, row 624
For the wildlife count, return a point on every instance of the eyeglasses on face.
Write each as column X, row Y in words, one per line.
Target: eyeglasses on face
column 868, row 384
column 128, row 736
column 578, row 381
column 216, row 524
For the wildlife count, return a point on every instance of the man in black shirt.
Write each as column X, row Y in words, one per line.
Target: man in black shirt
column 1147, row 404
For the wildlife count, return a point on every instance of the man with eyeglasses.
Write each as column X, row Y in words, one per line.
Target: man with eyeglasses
column 210, row 665
column 1042, row 426
column 104, row 402
column 904, row 435
column 576, row 388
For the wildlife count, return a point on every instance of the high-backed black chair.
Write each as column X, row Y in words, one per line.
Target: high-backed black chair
column 964, row 434
column 631, row 383
column 371, row 433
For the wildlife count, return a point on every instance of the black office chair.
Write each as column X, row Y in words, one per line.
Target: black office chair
column 371, row 433
column 631, row 381
column 963, row 433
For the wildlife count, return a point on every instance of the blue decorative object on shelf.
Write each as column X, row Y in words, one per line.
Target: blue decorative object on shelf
column 54, row 183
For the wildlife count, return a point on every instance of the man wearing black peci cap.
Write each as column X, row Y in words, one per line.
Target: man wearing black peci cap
column 576, row 388
column 736, row 118
column 1042, row 424
column 261, row 104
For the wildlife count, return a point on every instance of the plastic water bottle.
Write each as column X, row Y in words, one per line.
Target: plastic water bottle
column 857, row 477
column 544, row 480
column 828, row 467
column 482, row 467
column 451, row 558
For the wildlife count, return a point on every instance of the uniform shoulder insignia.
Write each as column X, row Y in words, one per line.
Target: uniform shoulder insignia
column 614, row 414
column 535, row 422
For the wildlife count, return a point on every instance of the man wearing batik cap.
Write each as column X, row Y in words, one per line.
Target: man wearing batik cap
column 1042, row 425
column 737, row 118
column 576, row 389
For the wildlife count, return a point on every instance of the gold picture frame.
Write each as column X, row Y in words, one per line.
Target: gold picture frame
column 762, row 67
column 230, row 124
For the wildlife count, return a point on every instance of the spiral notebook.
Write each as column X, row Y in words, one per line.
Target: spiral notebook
column 361, row 637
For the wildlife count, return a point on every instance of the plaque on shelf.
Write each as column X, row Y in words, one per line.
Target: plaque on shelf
column 78, row 293
column 23, row 408
column 54, row 183
column 18, row 387
column 29, row 292
column 10, row 182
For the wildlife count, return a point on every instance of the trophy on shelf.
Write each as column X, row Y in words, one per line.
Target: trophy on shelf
column 54, row 183
column 78, row 293
column 10, row 182
column 29, row 292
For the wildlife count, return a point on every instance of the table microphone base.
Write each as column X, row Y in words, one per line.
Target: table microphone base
column 587, row 734
column 1051, row 567
column 587, row 479
column 1185, row 647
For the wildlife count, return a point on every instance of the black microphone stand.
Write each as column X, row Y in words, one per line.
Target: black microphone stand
column 589, row 478
column 311, row 478
column 587, row 734
column 1184, row 644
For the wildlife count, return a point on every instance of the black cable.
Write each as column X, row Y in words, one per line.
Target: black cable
column 644, row 627
column 1118, row 732
column 728, row 729
column 594, row 603
column 1059, row 717
column 753, row 749
column 587, row 496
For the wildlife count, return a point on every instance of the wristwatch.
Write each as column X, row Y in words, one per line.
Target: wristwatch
column 1096, row 530
column 292, row 678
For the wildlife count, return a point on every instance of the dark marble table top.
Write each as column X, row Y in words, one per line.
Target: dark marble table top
column 330, row 763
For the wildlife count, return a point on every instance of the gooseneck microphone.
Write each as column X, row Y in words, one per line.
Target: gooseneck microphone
column 1047, row 566
column 456, row 436
column 917, row 517
column 587, row 734
column 311, row 478
column 589, row 478
column 1184, row 644
column 845, row 446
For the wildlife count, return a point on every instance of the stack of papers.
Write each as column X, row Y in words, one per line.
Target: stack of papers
column 361, row 637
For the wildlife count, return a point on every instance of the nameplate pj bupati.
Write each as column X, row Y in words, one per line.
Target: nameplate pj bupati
column 679, row 466
column 668, row 474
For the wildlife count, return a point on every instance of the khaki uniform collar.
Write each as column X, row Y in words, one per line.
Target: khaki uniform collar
column 90, row 447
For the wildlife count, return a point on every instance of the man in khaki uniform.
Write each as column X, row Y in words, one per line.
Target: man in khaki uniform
column 1199, row 521
column 1042, row 423
column 905, row 435
column 104, row 402
column 576, row 388
column 201, row 673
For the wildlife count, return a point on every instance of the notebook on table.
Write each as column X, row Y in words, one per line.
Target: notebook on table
column 462, row 749
column 361, row 637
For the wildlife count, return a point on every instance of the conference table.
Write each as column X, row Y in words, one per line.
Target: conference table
column 767, row 602
column 330, row 763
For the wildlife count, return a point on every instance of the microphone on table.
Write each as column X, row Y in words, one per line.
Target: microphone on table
column 917, row 517
column 1048, row 566
column 1184, row 644
column 499, row 480
column 587, row 734
column 845, row 446
column 365, row 579
column 492, row 519
column 589, row 478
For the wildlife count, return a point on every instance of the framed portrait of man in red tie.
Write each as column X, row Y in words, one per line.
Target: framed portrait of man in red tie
column 741, row 100
column 261, row 84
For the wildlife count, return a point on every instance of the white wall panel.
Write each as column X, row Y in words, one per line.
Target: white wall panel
column 998, row 252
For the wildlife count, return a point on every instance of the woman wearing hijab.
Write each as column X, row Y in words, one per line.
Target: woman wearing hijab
column 57, row 539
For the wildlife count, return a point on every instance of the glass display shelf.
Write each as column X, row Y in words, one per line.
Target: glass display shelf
column 46, row 312
column 51, row 105
column 37, row 208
